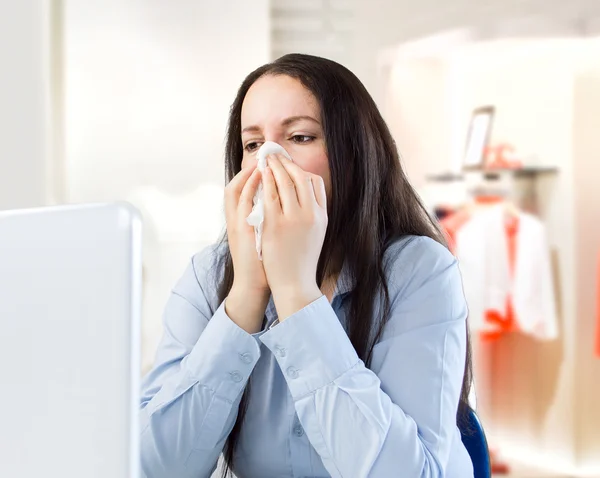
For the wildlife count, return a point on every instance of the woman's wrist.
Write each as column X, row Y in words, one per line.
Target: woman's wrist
column 246, row 307
column 292, row 299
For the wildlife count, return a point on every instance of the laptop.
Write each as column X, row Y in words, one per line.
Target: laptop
column 70, row 295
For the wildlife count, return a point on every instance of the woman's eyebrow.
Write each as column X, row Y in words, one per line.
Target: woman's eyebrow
column 251, row 129
column 286, row 122
column 295, row 119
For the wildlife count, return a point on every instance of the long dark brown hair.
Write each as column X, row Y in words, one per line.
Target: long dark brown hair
column 371, row 203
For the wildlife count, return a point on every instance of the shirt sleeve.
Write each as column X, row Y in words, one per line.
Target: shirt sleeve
column 190, row 398
column 397, row 418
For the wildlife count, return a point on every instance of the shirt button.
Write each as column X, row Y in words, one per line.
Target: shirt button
column 280, row 351
column 236, row 376
column 292, row 372
column 246, row 358
column 298, row 431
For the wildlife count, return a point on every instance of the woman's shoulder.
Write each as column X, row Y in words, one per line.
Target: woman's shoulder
column 201, row 278
column 412, row 261
column 208, row 259
column 424, row 285
column 410, row 251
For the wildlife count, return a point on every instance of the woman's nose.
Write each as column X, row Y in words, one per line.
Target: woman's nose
column 275, row 138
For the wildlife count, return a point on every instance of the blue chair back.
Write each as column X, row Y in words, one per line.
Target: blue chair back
column 473, row 437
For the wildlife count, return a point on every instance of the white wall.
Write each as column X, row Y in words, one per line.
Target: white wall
column 23, row 104
column 415, row 101
column 147, row 91
column 389, row 22
column 318, row 27
column 148, row 85
column 587, row 177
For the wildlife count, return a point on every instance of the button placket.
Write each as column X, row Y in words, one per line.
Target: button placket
column 292, row 372
column 300, row 449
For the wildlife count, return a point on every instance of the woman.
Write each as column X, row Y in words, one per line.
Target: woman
column 344, row 352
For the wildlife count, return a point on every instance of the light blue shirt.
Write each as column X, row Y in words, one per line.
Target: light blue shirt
column 315, row 410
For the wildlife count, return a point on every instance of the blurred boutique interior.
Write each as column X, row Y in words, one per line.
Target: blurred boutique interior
column 495, row 109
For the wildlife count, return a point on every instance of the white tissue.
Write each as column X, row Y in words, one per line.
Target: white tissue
column 257, row 216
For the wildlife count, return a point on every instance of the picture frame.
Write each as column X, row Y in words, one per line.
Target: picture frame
column 478, row 138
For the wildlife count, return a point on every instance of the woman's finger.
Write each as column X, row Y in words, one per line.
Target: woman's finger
column 285, row 184
column 319, row 190
column 303, row 182
column 271, row 195
column 247, row 195
column 235, row 187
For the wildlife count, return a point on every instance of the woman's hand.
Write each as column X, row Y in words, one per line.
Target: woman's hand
column 249, row 295
column 293, row 234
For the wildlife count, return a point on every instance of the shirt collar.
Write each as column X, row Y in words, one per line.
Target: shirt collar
column 343, row 286
column 344, row 283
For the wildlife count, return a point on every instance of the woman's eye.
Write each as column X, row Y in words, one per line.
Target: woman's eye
column 251, row 146
column 302, row 138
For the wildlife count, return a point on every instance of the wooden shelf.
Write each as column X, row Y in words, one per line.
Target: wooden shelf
column 445, row 177
column 528, row 172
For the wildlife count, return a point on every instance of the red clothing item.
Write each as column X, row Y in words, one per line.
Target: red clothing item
column 505, row 321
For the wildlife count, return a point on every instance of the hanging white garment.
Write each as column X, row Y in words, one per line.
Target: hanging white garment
column 482, row 251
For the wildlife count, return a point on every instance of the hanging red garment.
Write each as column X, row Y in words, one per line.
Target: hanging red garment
column 450, row 226
column 505, row 322
column 501, row 321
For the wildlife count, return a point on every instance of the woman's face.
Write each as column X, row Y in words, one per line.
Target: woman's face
column 278, row 108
